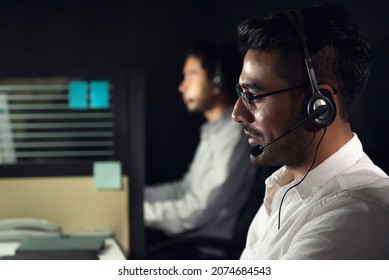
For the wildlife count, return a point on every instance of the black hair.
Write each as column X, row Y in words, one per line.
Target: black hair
column 219, row 59
column 339, row 49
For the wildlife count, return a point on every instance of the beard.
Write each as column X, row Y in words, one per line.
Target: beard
column 292, row 150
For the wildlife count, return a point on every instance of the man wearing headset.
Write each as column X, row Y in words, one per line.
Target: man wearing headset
column 302, row 75
column 207, row 199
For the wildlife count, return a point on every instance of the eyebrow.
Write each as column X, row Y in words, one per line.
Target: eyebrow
column 250, row 86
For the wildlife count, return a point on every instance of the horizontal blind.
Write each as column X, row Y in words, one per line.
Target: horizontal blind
column 39, row 124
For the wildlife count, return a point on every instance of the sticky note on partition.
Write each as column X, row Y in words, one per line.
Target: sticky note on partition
column 107, row 175
column 99, row 94
column 78, row 95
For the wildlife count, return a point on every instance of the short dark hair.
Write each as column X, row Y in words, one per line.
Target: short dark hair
column 339, row 49
column 222, row 59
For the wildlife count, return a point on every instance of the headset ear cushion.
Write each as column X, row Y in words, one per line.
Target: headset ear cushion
column 218, row 81
column 320, row 99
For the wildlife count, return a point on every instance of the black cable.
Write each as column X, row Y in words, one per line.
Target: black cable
column 302, row 179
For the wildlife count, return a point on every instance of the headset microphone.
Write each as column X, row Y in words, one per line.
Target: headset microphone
column 257, row 150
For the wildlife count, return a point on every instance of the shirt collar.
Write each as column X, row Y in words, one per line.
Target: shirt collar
column 345, row 157
column 274, row 183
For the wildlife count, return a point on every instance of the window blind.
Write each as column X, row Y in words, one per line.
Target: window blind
column 54, row 119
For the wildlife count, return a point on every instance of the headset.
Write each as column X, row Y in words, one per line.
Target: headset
column 318, row 98
column 218, row 80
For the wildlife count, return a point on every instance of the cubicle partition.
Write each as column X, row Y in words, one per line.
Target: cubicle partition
column 72, row 151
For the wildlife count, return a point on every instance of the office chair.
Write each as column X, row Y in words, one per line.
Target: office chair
column 216, row 248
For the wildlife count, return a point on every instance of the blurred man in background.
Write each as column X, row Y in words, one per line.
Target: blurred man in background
column 207, row 199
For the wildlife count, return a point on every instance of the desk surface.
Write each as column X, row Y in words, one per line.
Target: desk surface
column 111, row 251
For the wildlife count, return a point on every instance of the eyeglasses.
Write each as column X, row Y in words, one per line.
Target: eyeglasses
column 247, row 97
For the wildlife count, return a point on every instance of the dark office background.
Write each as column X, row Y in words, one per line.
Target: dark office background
column 152, row 36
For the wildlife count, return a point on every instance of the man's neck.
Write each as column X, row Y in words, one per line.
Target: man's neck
column 333, row 140
column 214, row 113
column 218, row 109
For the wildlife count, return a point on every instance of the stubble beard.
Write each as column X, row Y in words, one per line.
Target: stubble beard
column 291, row 150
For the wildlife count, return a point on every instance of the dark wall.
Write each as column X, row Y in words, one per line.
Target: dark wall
column 152, row 36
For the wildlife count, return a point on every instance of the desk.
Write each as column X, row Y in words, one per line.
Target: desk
column 111, row 250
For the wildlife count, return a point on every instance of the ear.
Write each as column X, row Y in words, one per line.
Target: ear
column 327, row 89
column 216, row 91
column 330, row 92
column 328, row 97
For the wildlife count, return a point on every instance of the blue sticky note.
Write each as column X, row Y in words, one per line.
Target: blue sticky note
column 107, row 175
column 99, row 94
column 78, row 95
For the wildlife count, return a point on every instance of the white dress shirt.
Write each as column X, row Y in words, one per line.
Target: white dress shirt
column 340, row 211
column 207, row 200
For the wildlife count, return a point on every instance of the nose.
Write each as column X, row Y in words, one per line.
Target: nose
column 241, row 113
column 181, row 86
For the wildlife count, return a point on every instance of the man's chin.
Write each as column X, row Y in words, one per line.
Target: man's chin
column 263, row 160
column 193, row 109
column 256, row 160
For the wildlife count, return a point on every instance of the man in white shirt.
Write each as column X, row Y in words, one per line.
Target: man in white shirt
column 302, row 75
column 207, row 199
